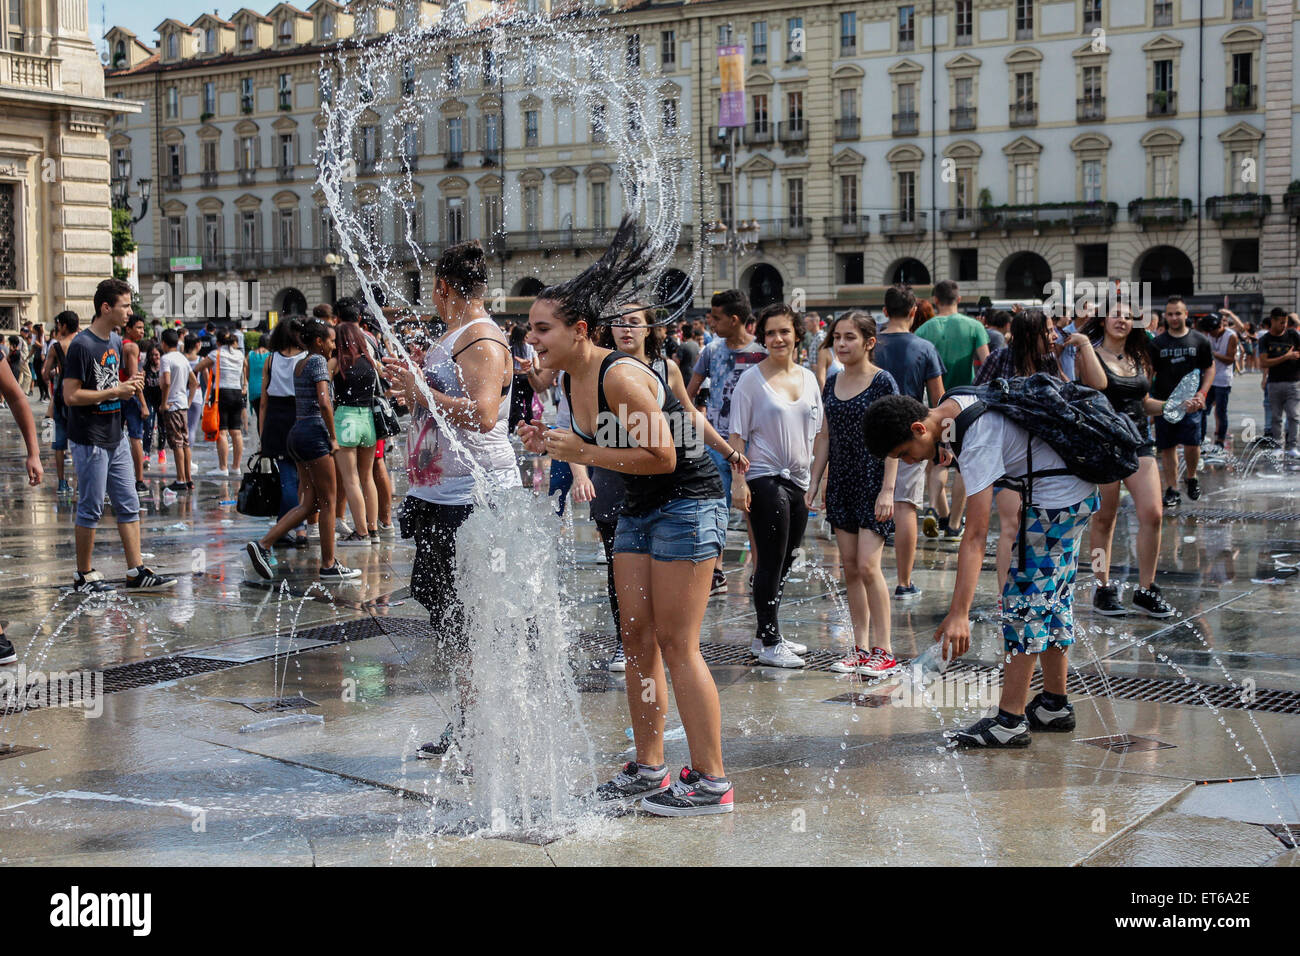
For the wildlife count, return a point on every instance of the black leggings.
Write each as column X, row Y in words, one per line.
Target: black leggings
column 606, row 529
column 433, row 575
column 778, row 516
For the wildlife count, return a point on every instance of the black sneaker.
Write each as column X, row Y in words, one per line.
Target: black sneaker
column 145, row 580
column 189, row 486
column 435, row 750
column 719, row 584
column 989, row 732
column 1042, row 717
column 1153, row 602
column 140, row 486
column 91, row 582
column 632, row 782
column 692, row 795
column 339, row 572
column 1106, row 601
column 178, row 487
column 953, row 534
column 262, row 559
column 7, row 653
column 1194, row 489
column 1172, row 498
column 906, row 593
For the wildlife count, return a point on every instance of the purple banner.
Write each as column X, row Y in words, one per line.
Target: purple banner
column 731, row 66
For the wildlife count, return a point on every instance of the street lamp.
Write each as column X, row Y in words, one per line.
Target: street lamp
column 122, row 199
column 736, row 242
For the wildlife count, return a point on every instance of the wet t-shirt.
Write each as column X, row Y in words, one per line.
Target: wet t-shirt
column 95, row 362
column 1176, row 356
column 723, row 367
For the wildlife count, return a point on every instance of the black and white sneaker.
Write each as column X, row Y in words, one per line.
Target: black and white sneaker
column 719, row 585
column 7, row 653
column 178, row 487
column 953, row 534
column 1194, row 489
column 1106, row 601
column 1172, row 498
column 142, row 579
column 692, row 794
column 990, row 732
column 633, row 781
column 262, row 559
column 92, row 582
column 1042, row 716
column 618, row 663
column 1153, row 602
column 435, row 750
column 339, row 572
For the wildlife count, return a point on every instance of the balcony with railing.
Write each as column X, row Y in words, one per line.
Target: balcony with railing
column 759, row 134
column 208, row 178
column 961, row 117
column 1090, row 109
column 1159, row 212
column 847, row 127
column 792, row 132
column 720, row 136
column 784, row 230
column 960, row 220
column 1039, row 216
column 846, row 226
column 1162, row 103
column 1291, row 203
column 454, row 158
column 491, row 156
column 894, row 224
column 907, row 124
column 1239, row 97
column 1024, row 114
column 247, row 175
column 368, row 165
column 1241, row 208
column 284, row 174
column 172, row 182
column 29, row 70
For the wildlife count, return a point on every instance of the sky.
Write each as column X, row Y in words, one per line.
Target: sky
column 141, row 16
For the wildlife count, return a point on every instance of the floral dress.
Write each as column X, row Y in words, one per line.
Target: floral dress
column 854, row 475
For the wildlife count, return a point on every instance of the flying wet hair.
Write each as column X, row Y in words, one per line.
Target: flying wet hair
column 599, row 295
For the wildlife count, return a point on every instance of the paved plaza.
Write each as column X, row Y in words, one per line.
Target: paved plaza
column 827, row 769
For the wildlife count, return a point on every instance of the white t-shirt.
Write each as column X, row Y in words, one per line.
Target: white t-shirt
column 995, row 447
column 178, row 396
column 778, row 433
column 231, row 363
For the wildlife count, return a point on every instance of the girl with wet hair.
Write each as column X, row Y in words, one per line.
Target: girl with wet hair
column 468, row 373
column 670, row 531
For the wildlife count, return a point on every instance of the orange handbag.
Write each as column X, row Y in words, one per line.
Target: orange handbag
column 212, row 414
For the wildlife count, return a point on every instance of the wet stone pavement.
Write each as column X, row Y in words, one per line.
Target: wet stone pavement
column 828, row 769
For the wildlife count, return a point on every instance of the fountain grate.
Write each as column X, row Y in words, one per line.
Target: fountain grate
column 1126, row 743
column 1224, row 514
column 17, row 750
column 1286, row 833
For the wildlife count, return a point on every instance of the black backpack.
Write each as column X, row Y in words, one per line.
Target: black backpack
column 1098, row 444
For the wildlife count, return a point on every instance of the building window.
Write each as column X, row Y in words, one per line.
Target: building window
column 286, row 31
column 285, row 233
column 848, row 198
column 532, row 208
column 598, row 123
column 210, row 40
column 211, row 235
column 327, row 27
column 455, row 139
column 759, row 32
column 669, row 114
column 173, row 43
column 455, row 220
column 849, row 268
column 1242, row 255
column 530, row 65
column 175, row 163
column 326, row 87
column 1162, row 176
column 965, row 22
column 794, row 42
column 794, row 192
column 1243, row 9
column 724, row 202
column 1024, row 184
column 1091, row 14
column 848, row 104
column 492, row 132
column 530, row 128
column 248, row 152
column 491, row 67
column 408, row 79
column 794, row 109
column 848, row 33
column 668, row 49
column 1092, row 180
column 122, row 163
column 1024, row 19
column 907, row 196
column 1163, row 76
column 210, row 98
column 906, row 27
column 760, row 113
column 966, row 265
column 1162, row 13
column 286, row 92
column 246, row 38
column 633, row 55
column 492, row 214
column 1094, row 259
column 173, row 102
column 208, row 156
column 175, row 234
column 963, row 191
column 599, row 205
column 286, row 151
column 453, row 71
column 246, row 94
column 248, row 231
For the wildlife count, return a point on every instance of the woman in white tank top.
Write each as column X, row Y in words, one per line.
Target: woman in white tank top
column 468, row 371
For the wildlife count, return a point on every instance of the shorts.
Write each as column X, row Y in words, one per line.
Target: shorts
column 684, row 529
column 100, row 471
column 1185, row 432
column 133, row 418
column 724, row 472
column 909, row 485
column 309, row 440
column 230, row 408
column 1038, row 599
column 354, row 426
column 176, row 425
column 60, row 442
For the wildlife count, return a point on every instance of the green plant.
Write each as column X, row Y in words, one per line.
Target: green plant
column 1294, row 188
column 250, row 341
column 123, row 241
column 1162, row 98
column 1240, row 94
column 204, row 117
column 986, row 198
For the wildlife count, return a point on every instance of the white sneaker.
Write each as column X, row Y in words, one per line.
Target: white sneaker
column 756, row 646
column 1293, row 452
column 779, row 656
column 218, row 472
column 618, row 663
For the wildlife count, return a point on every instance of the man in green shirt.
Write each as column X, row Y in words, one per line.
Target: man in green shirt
column 963, row 345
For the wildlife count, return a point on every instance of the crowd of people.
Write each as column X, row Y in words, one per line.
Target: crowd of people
column 888, row 427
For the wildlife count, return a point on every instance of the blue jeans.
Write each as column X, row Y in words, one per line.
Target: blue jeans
column 1218, row 401
column 288, row 485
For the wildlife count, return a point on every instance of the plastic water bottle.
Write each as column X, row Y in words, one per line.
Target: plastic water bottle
column 930, row 664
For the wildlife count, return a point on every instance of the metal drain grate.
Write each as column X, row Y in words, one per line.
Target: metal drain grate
column 15, row 750
column 267, row 705
column 1126, row 743
column 1288, row 834
column 1223, row 514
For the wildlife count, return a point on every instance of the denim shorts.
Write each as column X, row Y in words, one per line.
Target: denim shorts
column 133, row 418
column 684, row 529
column 308, row 440
column 60, row 442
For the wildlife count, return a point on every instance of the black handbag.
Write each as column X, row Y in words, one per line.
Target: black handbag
column 386, row 423
column 259, row 492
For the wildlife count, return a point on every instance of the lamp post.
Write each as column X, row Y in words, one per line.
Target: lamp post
column 122, row 198
column 736, row 241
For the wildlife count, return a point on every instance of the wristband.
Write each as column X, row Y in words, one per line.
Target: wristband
column 734, row 455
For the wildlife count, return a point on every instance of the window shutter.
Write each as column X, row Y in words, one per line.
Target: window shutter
column 443, row 229
column 257, row 154
column 184, row 167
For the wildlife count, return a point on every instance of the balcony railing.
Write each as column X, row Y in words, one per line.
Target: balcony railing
column 902, row 224
column 454, row 158
column 848, row 46
column 29, row 70
column 757, row 134
column 588, row 238
column 1024, row 114
column 227, row 259
column 172, row 182
column 1239, row 97
column 368, row 166
column 791, row 227
column 1159, row 212
column 846, row 226
column 247, row 175
column 1244, row 207
column 792, row 132
column 1090, row 109
column 720, row 136
column 408, row 162
column 1162, row 103
column 1291, row 203
column 960, row 220
column 491, row 156
column 1073, row 215
column 284, row 174
column 847, row 127
column 208, row 178
column 906, row 124
column 961, row 117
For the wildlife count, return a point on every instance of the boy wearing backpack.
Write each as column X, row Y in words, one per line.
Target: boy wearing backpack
column 993, row 445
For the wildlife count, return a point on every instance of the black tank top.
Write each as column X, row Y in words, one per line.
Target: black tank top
column 1125, row 394
column 695, row 477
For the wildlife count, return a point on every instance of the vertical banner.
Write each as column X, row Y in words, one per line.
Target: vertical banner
column 731, row 65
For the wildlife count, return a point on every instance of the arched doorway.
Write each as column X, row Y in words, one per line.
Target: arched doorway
column 764, row 285
column 1168, row 270
column 291, row 302
column 527, row 286
column 908, row 272
column 1024, row 275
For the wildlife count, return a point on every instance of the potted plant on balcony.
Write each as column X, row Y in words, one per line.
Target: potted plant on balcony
column 1161, row 99
column 1291, row 198
column 204, row 117
column 1240, row 94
